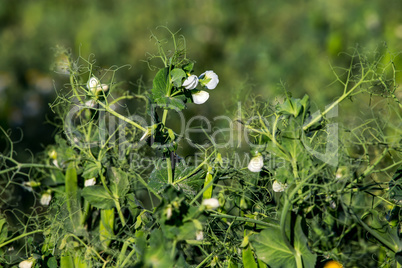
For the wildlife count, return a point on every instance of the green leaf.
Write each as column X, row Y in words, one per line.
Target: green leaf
column 119, row 182
column 52, row 262
column 271, row 249
column 159, row 176
column 177, row 76
column 98, row 197
column 160, row 92
column 161, row 84
column 90, row 170
column 106, row 227
column 395, row 185
column 3, row 230
column 291, row 106
column 188, row 67
column 66, row 262
column 248, row 258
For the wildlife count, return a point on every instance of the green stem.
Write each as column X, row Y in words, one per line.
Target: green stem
column 299, row 262
column 344, row 96
column 169, row 169
column 205, row 260
column 388, row 244
column 121, row 216
column 127, row 258
column 90, row 248
column 244, row 219
column 285, row 238
column 115, row 198
column 123, row 252
column 194, row 171
column 107, row 108
column 19, row 237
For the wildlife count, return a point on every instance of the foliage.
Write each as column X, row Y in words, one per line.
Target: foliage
column 339, row 183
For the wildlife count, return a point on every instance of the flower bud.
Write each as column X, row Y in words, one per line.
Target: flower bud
column 53, row 154
column 199, row 235
column 191, row 82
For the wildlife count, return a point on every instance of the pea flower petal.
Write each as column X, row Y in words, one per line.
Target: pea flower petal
column 200, row 97
column 45, row 199
column 191, row 82
column 211, row 79
column 256, row 163
column 211, row 203
column 27, row 263
column 90, row 182
column 95, row 85
column 279, row 187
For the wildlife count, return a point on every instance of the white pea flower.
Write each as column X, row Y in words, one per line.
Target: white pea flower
column 90, row 103
column 211, row 203
column 191, row 82
column 27, row 263
column 95, row 85
column 45, row 199
column 90, row 182
column 200, row 97
column 256, row 163
column 199, row 235
column 209, row 79
column 279, row 187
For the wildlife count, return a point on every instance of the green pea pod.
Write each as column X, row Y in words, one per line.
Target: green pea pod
column 106, row 227
column 208, row 192
column 73, row 199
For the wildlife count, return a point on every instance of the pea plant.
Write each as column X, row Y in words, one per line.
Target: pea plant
column 317, row 189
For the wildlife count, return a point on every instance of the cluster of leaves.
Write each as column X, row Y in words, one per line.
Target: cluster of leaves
column 340, row 197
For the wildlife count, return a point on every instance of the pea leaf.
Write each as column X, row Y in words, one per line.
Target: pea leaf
column 160, row 84
column 98, row 197
column 3, row 230
column 90, row 170
column 248, row 258
column 119, row 182
column 188, row 67
column 177, row 76
column 271, row 249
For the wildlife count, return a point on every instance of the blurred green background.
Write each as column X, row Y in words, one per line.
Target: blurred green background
column 252, row 45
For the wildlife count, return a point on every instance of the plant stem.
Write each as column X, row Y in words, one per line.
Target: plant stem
column 169, row 169
column 236, row 218
column 285, row 238
column 131, row 122
column 344, row 96
column 121, row 216
column 19, row 237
